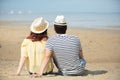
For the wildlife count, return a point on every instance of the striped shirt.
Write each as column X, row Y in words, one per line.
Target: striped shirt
column 66, row 49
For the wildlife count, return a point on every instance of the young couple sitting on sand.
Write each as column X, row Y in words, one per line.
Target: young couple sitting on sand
column 38, row 52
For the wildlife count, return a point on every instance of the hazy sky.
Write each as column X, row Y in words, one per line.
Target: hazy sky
column 39, row 6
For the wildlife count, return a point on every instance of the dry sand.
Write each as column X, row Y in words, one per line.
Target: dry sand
column 101, row 49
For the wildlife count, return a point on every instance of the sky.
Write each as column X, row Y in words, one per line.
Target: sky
column 47, row 6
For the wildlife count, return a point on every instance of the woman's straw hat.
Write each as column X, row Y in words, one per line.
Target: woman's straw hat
column 60, row 20
column 39, row 25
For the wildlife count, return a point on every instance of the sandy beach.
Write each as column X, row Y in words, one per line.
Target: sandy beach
column 101, row 48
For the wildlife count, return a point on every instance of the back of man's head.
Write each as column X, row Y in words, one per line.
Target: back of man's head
column 60, row 29
column 60, row 25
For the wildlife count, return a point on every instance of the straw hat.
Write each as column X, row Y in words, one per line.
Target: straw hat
column 39, row 25
column 60, row 20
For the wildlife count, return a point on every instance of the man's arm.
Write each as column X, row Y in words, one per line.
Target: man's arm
column 81, row 54
column 83, row 61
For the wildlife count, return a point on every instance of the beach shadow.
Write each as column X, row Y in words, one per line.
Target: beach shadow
column 0, row 46
column 87, row 72
column 55, row 74
column 96, row 72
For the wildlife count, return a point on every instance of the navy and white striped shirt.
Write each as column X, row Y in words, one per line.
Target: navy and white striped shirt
column 66, row 49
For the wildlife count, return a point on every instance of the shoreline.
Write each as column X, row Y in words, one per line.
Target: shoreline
column 28, row 23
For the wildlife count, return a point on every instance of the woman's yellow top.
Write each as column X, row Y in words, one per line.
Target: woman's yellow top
column 35, row 51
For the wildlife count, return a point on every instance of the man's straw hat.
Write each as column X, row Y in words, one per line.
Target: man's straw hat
column 60, row 20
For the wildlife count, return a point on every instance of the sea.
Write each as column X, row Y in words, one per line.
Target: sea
column 82, row 20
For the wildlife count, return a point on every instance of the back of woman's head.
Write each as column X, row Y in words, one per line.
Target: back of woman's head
column 38, row 36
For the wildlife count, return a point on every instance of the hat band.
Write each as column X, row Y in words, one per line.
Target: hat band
column 60, row 23
column 40, row 28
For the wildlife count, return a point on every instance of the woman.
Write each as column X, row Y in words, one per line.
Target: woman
column 33, row 49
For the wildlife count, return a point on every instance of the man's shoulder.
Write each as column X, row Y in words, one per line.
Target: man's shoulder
column 51, row 38
column 74, row 37
column 67, row 36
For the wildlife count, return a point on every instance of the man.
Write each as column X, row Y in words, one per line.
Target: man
column 66, row 50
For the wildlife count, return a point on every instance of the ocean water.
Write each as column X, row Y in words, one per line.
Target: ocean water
column 83, row 20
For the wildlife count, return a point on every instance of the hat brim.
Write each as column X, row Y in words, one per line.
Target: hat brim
column 62, row 24
column 41, row 31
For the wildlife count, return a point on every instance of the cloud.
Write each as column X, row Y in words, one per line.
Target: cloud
column 29, row 11
column 11, row 12
column 20, row 12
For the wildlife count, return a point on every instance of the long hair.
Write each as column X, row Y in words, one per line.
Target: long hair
column 37, row 37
